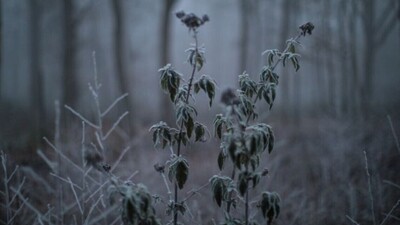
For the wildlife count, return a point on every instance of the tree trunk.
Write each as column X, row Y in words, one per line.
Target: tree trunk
column 1, row 45
column 69, row 79
column 343, row 15
column 369, row 54
column 165, row 106
column 119, row 41
column 330, row 68
column 355, row 84
column 37, row 97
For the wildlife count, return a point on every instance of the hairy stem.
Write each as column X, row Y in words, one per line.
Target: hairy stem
column 178, row 153
column 228, row 205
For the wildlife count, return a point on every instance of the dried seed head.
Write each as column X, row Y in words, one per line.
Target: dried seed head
column 191, row 20
column 106, row 167
column 180, row 14
column 306, row 28
column 229, row 97
column 159, row 167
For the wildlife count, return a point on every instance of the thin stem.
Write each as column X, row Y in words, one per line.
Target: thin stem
column 370, row 189
column 352, row 220
column 273, row 68
column 167, row 186
column 83, row 172
column 181, row 125
column 60, row 190
column 390, row 212
column 285, row 51
column 7, row 195
column 246, row 212
column 228, row 205
column 394, row 133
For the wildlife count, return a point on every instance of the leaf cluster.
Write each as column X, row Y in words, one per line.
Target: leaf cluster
column 243, row 143
column 137, row 204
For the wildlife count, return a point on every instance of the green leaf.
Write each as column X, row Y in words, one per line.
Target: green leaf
column 271, row 140
column 219, row 187
column 256, row 179
column 189, row 126
column 182, row 172
column 232, row 150
column 253, row 145
column 221, row 159
column 242, row 184
column 210, row 91
column 269, row 205
column 196, row 87
column 171, row 172
column 206, row 84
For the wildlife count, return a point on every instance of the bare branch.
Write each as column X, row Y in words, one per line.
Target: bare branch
column 115, row 125
column 81, row 117
column 396, row 139
column 119, row 158
column 392, row 184
column 351, row 220
column 113, row 104
column 390, row 212
column 76, row 196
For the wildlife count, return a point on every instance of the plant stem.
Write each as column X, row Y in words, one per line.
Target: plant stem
column 285, row 51
column 228, row 205
column 246, row 212
column 178, row 153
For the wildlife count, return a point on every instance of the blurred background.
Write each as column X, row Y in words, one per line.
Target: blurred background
column 326, row 114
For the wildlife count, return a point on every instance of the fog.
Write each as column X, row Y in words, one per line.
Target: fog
column 348, row 76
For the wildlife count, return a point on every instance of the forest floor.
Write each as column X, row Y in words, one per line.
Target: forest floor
column 317, row 167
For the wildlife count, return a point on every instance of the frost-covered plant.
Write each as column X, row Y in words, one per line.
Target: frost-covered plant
column 181, row 93
column 244, row 139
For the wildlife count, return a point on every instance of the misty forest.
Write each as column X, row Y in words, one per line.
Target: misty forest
column 231, row 112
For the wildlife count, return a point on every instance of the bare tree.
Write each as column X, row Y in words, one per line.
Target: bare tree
column 376, row 28
column 165, row 107
column 328, row 59
column 343, row 16
column 119, row 47
column 69, row 77
column 36, row 83
column 1, row 43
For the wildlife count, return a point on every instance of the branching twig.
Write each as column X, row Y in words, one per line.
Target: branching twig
column 351, row 220
column 390, row 212
column 396, row 139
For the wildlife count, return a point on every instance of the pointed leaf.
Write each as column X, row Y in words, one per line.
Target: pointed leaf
column 182, row 171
